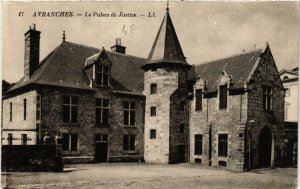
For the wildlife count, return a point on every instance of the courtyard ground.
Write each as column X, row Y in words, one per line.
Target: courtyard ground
column 146, row 176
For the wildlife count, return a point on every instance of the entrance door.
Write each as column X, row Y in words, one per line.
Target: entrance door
column 181, row 153
column 101, row 146
column 265, row 147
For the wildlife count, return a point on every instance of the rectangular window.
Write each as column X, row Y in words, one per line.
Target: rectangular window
column 24, row 108
column 153, row 88
column 222, row 145
column 102, row 112
column 129, row 143
column 267, row 98
column 10, row 139
column 198, row 105
column 152, row 133
column 10, row 111
column 223, row 97
column 38, row 107
column 102, row 75
column 152, row 111
column 24, row 139
column 198, row 144
column 182, row 106
column 69, row 142
column 70, row 109
column 129, row 113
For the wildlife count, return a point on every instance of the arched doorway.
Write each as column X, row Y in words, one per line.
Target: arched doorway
column 265, row 147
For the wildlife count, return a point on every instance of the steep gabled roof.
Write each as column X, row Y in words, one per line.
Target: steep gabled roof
column 64, row 66
column 166, row 47
column 237, row 66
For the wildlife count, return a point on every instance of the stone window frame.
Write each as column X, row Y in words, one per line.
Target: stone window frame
column 199, row 85
column 131, row 147
column 102, row 107
column 70, row 142
column 267, row 97
column 198, row 99
column 24, row 139
column 153, row 111
column 153, row 88
column 228, row 145
column 71, row 106
column 224, row 80
column 200, row 153
column 131, row 113
column 153, row 134
column 223, row 105
column 102, row 73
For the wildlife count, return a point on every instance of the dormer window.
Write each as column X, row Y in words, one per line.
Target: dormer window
column 223, row 97
column 102, row 75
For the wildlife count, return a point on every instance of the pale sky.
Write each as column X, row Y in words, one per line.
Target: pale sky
column 206, row 30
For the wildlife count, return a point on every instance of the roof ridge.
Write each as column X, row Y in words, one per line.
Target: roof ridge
column 99, row 49
column 231, row 56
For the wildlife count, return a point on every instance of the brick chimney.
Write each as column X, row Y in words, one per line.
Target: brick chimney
column 118, row 48
column 32, row 51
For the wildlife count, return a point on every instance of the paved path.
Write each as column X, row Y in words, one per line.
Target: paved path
column 144, row 176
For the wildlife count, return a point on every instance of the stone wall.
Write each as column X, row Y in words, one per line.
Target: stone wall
column 219, row 121
column 157, row 150
column 52, row 120
column 266, row 74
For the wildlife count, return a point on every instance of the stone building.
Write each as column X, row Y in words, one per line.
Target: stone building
column 107, row 106
column 236, row 115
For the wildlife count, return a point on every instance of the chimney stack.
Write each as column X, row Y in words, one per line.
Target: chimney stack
column 118, row 48
column 32, row 51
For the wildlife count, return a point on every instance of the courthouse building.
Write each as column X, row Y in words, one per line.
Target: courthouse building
column 110, row 106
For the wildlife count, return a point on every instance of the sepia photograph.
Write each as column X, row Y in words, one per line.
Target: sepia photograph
column 153, row 94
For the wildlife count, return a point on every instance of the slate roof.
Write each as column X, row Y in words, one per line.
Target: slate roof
column 64, row 66
column 166, row 46
column 238, row 66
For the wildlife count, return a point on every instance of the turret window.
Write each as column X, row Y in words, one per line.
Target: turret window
column 153, row 88
column 102, row 75
column 152, row 111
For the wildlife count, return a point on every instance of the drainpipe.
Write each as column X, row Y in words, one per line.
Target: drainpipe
column 249, row 142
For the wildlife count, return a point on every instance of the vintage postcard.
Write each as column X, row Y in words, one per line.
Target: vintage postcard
column 157, row 94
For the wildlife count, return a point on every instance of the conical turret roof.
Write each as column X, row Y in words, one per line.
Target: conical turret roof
column 166, row 47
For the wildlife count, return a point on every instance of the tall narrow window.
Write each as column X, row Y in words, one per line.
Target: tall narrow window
column 198, row 144
column 267, row 98
column 70, row 109
column 102, row 112
column 129, row 143
column 102, row 75
column 69, row 142
column 222, row 145
column 198, row 105
column 129, row 113
column 10, row 139
column 223, row 97
column 10, row 111
column 152, row 111
column 152, row 133
column 153, row 88
column 38, row 107
column 24, row 139
column 24, row 108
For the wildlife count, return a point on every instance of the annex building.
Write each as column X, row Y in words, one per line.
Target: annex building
column 109, row 106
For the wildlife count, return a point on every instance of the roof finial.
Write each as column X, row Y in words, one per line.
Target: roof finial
column 167, row 6
column 64, row 36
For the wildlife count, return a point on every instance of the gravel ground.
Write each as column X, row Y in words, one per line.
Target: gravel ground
column 140, row 175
